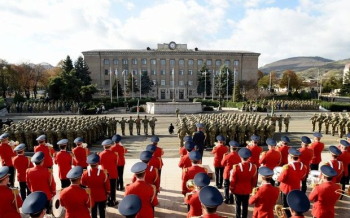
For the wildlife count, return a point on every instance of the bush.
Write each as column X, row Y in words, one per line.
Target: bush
column 232, row 104
column 208, row 108
column 206, row 102
column 134, row 109
column 18, row 98
column 335, row 106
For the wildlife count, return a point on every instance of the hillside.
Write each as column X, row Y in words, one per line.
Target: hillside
column 335, row 68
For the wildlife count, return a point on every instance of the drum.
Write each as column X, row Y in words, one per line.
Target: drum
column 276, row 173
column 313, row 177
column 57, row 210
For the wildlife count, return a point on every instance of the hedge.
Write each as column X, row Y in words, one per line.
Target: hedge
column 335, row 106
column 134, row 109
column 208, row 108
column 213, row 103
column 232, row 104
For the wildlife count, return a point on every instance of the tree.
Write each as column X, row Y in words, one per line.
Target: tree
column 345, row 87
column 120, row 88
column 146, row 83
column 331, row 83
column 72, row 86
column 132, row 84
column 223, row 81
column 67, row 65
column 87, row 91
column 82, row 71
column 39, row 73
column 204, row 81
column 55, row 87
column 260, row 75
column 292, row 78
column 237, row 92
column 265, row 81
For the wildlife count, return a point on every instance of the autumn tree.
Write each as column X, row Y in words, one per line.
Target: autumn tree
column 264, row 82
column 291, row 78
column 260, row 74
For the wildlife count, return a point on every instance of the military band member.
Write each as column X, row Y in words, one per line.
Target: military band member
column 145, row 191
column 47, row 150
column 219, row 150
column 243, row 179
column 74, row 198
column 317, row 146
column 229, row 160
column 130, row 206
column 145, row 122
column 190, row 173
column 40, row 178
column 199, row 138
column 185, row 161
column 109, row 161
column 96, row 180
column 183, row 150
column 271, row 158
column 10, row 201
column 345, row 158
column 64, row 160
column 266, row 196
column 121, row 150
column 335, row 163
column 158, row 153
column 306, row 155
column 156, row 162
column 151, row 173
column 325, row 195
column 34, row 205
column 6, row 155
column 210, row 198
column 283, row 149
column 255, row 149
column 21, row 163
column 80, row 153
column 298, row 203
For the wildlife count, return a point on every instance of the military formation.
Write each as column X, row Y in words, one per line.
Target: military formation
column 291, row 104
column 42, row 107
column 91, row 128
column 333, row 123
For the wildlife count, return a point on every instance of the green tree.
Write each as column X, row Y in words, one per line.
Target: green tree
column 120, row 89
column 55, row 87
column 72, row 86
column 292, row 78
column 264, row 82
column 146, row 83
column 131, row 81
column 87, row 91
column 82, row 71
column 67, row 65
column 237, row 92
column 223, row 81
column 345, row 87
column 331, row 83
column 204, row 80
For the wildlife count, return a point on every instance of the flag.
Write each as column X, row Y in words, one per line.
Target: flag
column 116, row 73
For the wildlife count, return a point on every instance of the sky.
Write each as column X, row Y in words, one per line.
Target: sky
column 38, row 31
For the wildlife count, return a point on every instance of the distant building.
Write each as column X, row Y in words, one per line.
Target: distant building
column 162, row 61
column 346, row 73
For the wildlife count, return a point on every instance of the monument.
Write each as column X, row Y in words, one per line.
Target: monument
column 170, row 107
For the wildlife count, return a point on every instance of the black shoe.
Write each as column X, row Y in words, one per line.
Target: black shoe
column 122, row 189
column 226, row 201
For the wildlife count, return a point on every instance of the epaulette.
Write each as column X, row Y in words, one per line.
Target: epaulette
column 285, row 167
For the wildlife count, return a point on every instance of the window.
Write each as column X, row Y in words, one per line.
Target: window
column 162, row 72
column 181, row 83
column 143, row 61
column 227, row 63
column 181, row 62
column 125, row 61
column 209, row 62
column 153, row 61
column 171, row 82
column 162, row 62
column 106, row 72
column 115, row 61
column 134, row 61
column 172, row 62
column 190, row 72
column 190, row 92
column 134, row 72
column 154, row 82
column 236, row 63
column 190, row 83
column 181, row 72
column 126, row 72
column 200, row 62
column 172, row 72
column 106, row 82
column 153, row 72
column 217, row 62
column 162, row 82
column 106, row 61
column 190, row 62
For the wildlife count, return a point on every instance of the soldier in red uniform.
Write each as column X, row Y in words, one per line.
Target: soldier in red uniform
column 158, row 153
column 21, row 163
column 283, row 149
column 6, row 155
column 151, row 173
column 325, row 195
column 219, row 151
column 335, row 164
column 34, row 205
column 156, row 162
column 291, row 176
column 10, row 201
column 130, row 206
column 190, row 173
column 185, row 161
column 121, row 150
column 64, row 160
column 266, row 196
column 47, row 150
column 317, row 146
column 345, row 158
column 39, row 178
column 243, row 179
column 183, row 150
column 80, row 153
column 210, row 198
column 272, row 157
column 201, row 180
column 255, row 149
column 298, row 203
column 74, row 198
column 96, row 180
column 145, row 191
column 306, row 154
column 228, row 161
column 109, row 162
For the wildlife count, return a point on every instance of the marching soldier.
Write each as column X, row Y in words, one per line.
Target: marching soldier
column 10, row 201
column 199, row 138
column 131, row 125
column 34, row 205
column 138, row 125
column 286, row 122
column 280, row 120
column 145, row 122
column 210, row 198
column 74, row 198
column 6, row 155
column 306, row 154
column 335, row 164
column 80, row 153
column 97, row 181
column 266, row 196
column 152, row 124
column 298, row 203
column 313, row 121
column 64, row 160
column 219, row 151
column 190, row 173
column 345, row 158
column 317, row 146
column 145, row 191
column 255, row 149
column 177, row 112
column 121, row 150
column 271, row 158
column 122, row 125
column 21, row 163
column 130, row 206
column 151, row 173
column 325, row 195
column 320, row 122
column 283, row 149
column 46, row 149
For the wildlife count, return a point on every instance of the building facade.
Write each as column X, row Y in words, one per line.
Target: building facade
column 162, row 63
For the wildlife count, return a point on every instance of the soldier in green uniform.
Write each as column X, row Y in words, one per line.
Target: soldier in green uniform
column 152, row 124
column 319, row 120
column 145, row 122
column 131, row 125
column 327, row 121
column 177, row 111
column 313, row 121
column 280, row 121
column 286, row 122
column 122, row 125
column 138, row 125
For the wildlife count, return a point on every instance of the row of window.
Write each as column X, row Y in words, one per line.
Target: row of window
column 171, row 62
column 162, row 72
column 162, row 83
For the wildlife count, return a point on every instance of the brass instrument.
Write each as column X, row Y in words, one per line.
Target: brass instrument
column 190, row 185
column 279, row 210
column 255, row 190
column 339, row 191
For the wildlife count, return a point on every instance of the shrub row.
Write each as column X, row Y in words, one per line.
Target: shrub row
column 335, row 106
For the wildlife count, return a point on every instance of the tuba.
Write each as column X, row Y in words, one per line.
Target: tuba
column 279, row 210
column 190, row 185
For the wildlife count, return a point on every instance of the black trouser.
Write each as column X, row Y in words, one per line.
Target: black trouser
column 314, row 166
column 272, row 182
column 241, row 200
column 219, row 173
column 48, row 207
column 24, row 190
column 12, row 176
column 112, row 182
column 227, row 194
column 200, row 150
column 65, row 183
column 120, row 180
column 101, row 208
column 285, row 204
column 343, row 181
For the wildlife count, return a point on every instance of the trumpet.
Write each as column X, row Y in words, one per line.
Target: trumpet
column 190, row 185
column 279, row 210
column 339, row 191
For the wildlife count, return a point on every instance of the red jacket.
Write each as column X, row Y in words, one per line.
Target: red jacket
column 185, row 161
column 284, row 153
column 48, row 154
column 6, row 154
column 338, row 167
column 243, row 178
column 109, row 162
column 219, row 152
column 264, row 200
column 182, row 151
column 21, row 163
column 121, row 150
column 159, row 153
column 345, row 158
column 155, row 162
column 80, row 155
column 211, row 216
column 305, row 157
column 77, row 201
column 192, row 199
column 147, row 194
column 97, row 181
column 151, row 177
column 270, row 159
column 325, row 198
column 291, row 176
column 256, row 151
column 317, row 147
column 8, row 204
column 64, row 160
column 40, row 178
column 190, row 173
column 228, row 161
column 295, row 216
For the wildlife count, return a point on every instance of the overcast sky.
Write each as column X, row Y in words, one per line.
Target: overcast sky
column 46, row 30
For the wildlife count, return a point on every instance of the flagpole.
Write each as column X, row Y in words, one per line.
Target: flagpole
column 212, row 93
column 132, row 85
column 124, row 85
column 234, row 85
column 140, row 83
column 116, row 78
column 227, row 84
column 205, row 84
column 173, row 86
column 110, row 84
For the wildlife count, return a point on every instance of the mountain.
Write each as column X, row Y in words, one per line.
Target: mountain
column 335, row 68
